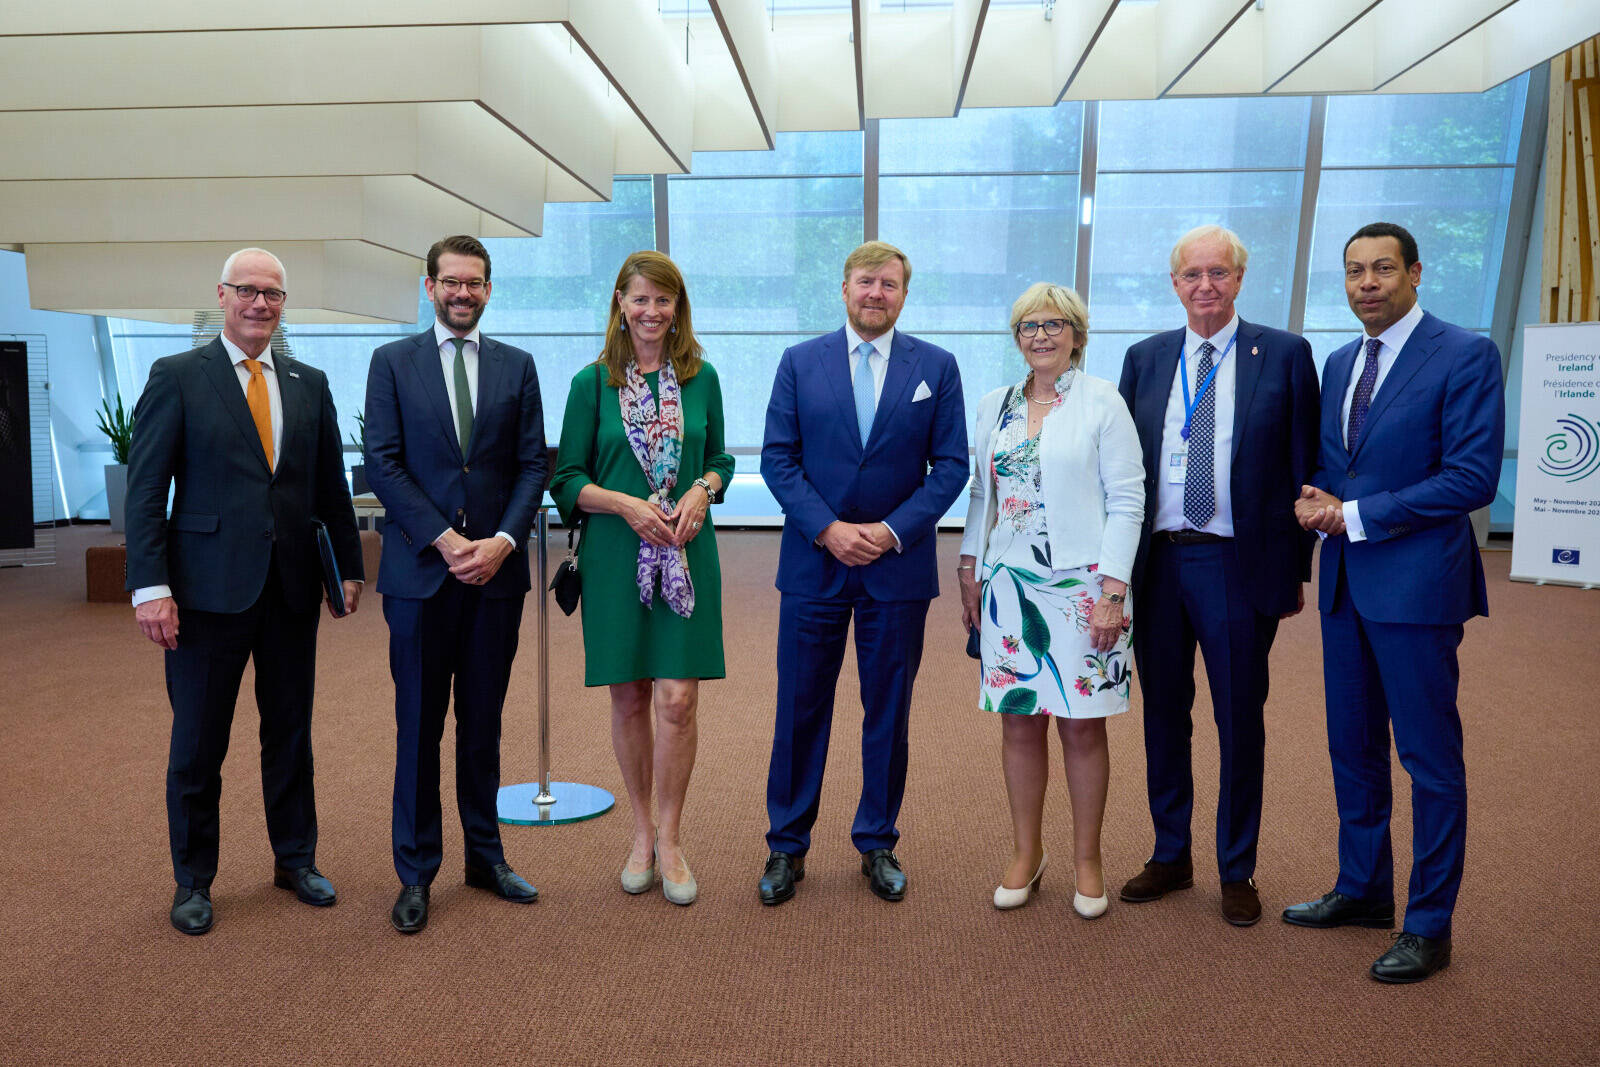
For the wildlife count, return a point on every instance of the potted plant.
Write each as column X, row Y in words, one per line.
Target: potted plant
column 358, row 469
column 118, row 427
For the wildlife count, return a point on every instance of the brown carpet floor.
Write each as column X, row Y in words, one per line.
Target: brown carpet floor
column 93, row 973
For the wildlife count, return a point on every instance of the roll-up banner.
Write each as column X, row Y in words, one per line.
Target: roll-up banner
column 1556, row 534
column 16, row 451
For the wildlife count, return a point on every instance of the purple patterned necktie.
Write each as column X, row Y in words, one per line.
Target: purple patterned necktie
column 1363, row 398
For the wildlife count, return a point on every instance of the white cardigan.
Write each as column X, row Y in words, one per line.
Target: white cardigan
column 1091, row 473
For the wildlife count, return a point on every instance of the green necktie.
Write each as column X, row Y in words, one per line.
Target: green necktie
column 463, row 396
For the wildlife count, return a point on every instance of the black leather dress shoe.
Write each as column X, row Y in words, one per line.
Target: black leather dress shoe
column 308, row 884
column 191, row 910
column 503, row 882
column 1412, row 958
column 1336, row 909
column 410, row 912
column 783, row 870
column 884, row 876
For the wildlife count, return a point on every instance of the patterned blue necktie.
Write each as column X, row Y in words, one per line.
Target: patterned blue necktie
column 1363, row 398
column 866, row 399
column 1200, row 480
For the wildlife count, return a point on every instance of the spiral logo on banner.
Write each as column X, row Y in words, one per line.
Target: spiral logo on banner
column 1572, row 453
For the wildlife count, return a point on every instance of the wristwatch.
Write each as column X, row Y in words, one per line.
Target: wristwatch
column 711, row 494
column 1115, row 598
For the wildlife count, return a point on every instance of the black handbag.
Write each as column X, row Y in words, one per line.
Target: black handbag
column 567, row 584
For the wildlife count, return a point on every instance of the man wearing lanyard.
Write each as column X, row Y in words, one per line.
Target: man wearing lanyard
column 1227, row 418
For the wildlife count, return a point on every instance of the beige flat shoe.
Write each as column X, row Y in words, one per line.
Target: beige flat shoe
column 636, row 882
column 683, row 892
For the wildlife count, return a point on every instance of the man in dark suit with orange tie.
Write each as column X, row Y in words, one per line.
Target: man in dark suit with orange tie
column 455, row 451
column 251, row 442
column 1413, row 431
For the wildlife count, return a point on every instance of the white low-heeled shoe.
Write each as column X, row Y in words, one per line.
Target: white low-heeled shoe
column 1006, row 899
column 683, row 892
column 1090, row 907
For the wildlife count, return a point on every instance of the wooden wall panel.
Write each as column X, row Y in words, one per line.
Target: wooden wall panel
column 1571, row 267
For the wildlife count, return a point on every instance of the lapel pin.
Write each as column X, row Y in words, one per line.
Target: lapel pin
column 292, row 374
column 1254, row 350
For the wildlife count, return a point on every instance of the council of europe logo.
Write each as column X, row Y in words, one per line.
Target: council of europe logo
column 1572, row 453
column 1567, row 557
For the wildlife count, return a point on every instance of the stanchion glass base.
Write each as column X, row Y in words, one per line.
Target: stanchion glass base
column 574, row 802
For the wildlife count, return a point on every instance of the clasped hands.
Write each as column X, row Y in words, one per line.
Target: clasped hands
column 674, row 528
column 856, row 544
column 1320, row 511
column 473, row 562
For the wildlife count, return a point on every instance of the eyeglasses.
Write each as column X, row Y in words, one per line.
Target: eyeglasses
column 248, row 294
column 472, row 285
column 1051, row 327
column 1217, row 275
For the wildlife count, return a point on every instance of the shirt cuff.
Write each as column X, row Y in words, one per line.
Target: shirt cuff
column 512, row 541
column 442, row 532
column 897, row 545
column 150, row 592
column 1352, row 521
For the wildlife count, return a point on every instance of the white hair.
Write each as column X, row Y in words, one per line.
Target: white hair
column 1200, row 233
column 227, row 264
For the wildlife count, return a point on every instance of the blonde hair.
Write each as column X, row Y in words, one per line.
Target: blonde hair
column 682, row 349
column 872, row 255
column 1241, row 254
column 1065, row 302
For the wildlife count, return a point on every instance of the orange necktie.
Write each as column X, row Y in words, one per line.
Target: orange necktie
column 260, row 407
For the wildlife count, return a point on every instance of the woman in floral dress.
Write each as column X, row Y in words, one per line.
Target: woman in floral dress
column 1056, row 503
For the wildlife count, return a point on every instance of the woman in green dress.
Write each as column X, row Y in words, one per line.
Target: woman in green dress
column 642, row 455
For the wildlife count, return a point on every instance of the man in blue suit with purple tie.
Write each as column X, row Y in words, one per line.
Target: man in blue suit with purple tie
column 865, row 448
column 455, row 451
column 1413, row 430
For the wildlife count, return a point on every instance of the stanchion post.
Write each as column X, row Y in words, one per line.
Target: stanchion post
column 541, row 527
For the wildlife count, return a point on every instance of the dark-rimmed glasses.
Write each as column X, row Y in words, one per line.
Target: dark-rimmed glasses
column 1051, row 327
column 248, row 294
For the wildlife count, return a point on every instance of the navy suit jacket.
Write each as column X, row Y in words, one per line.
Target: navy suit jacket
column 415, row 465
column 231, row 513
column 1274, row 450
column 1429, row 455
column 911, row 470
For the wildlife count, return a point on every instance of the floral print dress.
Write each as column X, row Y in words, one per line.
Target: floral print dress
column 1037, row 656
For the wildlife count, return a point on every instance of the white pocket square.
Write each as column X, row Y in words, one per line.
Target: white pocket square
column 922, row 393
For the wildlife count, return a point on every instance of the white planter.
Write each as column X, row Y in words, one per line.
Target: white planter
column 116, row 493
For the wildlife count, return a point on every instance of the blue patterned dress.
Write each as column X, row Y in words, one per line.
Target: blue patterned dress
column 1037, row 655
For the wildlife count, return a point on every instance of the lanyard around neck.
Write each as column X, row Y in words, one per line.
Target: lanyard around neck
column 1199, row 394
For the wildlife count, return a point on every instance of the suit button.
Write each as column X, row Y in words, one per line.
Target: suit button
column 267, row 534
column 466, row 470
column 1351, row 473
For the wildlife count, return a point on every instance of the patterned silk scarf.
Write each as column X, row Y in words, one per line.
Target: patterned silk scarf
column 655, row 433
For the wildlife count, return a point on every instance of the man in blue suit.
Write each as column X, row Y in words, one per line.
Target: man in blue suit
column 1227, row 416
column 866, row 447
column 1413, row 430
column 248, row 441
column 455, row 451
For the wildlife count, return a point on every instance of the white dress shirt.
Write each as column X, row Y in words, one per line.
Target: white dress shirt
column 1390, row 342
column 1169, row 494
column 274, row 403
column 447, row 361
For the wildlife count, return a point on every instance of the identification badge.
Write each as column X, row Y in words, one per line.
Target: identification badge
column 1177, row 467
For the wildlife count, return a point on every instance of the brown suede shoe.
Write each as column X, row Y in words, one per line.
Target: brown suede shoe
column 1157, row 880
column 1241, row 904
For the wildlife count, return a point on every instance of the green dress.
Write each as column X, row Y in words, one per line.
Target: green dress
column 623, row 641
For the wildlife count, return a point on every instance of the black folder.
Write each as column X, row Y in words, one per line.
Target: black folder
column 332, row 583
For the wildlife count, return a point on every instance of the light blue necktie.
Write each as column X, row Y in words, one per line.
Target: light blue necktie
column 866, row 400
